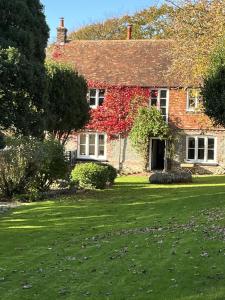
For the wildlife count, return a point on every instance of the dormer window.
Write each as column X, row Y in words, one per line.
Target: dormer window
column 194, row 100
column 96, row 97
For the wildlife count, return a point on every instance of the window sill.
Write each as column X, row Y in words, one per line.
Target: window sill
column 194, row 112
column 201, row 163
column 91, row 158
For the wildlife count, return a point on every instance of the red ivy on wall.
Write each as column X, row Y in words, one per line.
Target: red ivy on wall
column 115, row 117
column 57, row 52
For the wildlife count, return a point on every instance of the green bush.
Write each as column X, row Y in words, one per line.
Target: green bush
column 52, row 165
column 18, row 164
column 112, row 173
column 29, row 165
column 93, row 175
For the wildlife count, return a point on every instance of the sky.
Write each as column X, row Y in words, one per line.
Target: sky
column 81, row 12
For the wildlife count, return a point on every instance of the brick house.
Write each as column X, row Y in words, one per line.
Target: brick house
column 143, row 63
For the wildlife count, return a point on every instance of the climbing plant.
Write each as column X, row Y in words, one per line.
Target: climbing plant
column 148, row 123
column 115, row 117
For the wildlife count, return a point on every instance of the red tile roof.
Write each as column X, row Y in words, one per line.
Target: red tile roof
column 121, row 62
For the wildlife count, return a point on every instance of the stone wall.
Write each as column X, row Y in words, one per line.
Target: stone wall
column 131, row 161
column 200, row 168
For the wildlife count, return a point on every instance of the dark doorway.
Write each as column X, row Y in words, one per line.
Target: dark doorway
column 157, row 154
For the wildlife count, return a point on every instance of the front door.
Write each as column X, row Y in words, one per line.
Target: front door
column 157, row 154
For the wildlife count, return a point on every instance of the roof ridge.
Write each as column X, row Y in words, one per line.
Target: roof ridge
column 127, row 41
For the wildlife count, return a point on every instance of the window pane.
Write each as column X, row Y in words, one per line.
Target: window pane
column 92, row 93
column 201, row 142
column 211, row 154
column 211, row 143
column 92, row 101
column 101, row 139
column 83, row 139
column 201, row 153
column 162, row 102
column 91, row 149
column 191, row 153
column 100, row 101
column 92, row 139
column 154, row 93
column 163, row 111
column 82, row 150
column 191, row 143
column 101, row 150
column 191, row 103
column 154, row 102
column 163, row 94
column 101, row 93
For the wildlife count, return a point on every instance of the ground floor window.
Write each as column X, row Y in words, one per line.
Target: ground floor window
column 92, row 145
column 201, row 149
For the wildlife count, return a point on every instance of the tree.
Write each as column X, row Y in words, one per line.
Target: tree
column 214, row 89
column 68, row 108
column 23, row 39
column 197, row 28
column 148, row 23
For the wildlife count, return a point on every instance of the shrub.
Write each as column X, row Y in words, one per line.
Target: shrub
column 170, row 177
column 18, row 164
column 27, row 164
column 112, row 173
column 52, row 165
column 93, row 175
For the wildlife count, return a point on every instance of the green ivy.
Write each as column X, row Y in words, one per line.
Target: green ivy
column 148, row 123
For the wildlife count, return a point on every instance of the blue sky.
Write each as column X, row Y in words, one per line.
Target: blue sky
column 80, row 12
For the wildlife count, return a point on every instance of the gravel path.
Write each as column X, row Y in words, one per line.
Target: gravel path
column 5, row 206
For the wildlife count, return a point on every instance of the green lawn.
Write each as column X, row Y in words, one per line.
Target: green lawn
column 134, row 241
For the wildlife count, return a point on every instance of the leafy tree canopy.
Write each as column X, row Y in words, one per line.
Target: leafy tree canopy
column 23, row 26
column 214, row 88
column 23, row 39
column 198, row 28
column 148, row 23
column 68, row 108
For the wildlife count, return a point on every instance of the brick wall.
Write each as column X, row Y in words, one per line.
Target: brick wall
column 179, row 117
column 183, row 123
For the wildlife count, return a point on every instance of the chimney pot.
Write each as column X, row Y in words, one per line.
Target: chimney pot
column 129, row 31
column 61, row 33
column 61, row 24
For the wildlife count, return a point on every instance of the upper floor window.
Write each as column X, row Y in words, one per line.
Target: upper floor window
column 96, row 97
column 194, row 100
column 159, row 98
column 201, row 149
column 92, row 145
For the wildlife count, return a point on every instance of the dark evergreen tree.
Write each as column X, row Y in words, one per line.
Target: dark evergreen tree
column 68, row 109
column 23, row 39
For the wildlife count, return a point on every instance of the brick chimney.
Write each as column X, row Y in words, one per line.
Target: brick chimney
column 61, row 33
column 129, row 32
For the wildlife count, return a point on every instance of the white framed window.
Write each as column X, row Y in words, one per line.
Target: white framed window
column 201, row 149
column 160, row 99
column 92, row 145
column 96, row 97
column 194, row 100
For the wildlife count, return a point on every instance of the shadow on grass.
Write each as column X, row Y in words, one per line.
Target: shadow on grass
column 119, row 206
column 59, row 236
